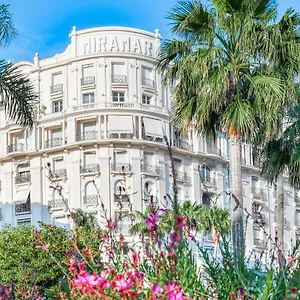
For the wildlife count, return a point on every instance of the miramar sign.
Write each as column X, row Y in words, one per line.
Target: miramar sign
column 112, row 43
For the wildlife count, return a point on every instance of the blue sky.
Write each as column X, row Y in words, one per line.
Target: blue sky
column 44, row 25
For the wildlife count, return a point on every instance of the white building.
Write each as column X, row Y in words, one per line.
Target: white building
column 104, row 112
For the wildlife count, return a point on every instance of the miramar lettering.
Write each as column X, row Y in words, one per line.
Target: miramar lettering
column 118, row 44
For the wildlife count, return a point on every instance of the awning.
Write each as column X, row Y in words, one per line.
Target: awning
column 22, row 196
column 120, row 124
column 52, row 124
column 87, row 118
column 153, row 127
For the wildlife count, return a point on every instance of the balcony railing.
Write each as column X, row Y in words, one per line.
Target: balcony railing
column 148, row 82
column 259, row 243
column 122, row 79
column 92, row 168
column 257, row 192
column 182, row 176
column 58, row 203
column 56, row 142
column 15, row 148
column 60, row 173
column 120, row 168
column 88, row 80
column 22, row 208
column 90, row 199
column 120, row 135
column 152, row 138
column 56, row 88
column 121, row 198
column 182, row 145
column 87, row 135
column 208, row 180
column 213, row 150
column 23, row 178
column 150, row 169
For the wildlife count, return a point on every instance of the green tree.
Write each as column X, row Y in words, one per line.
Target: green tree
column 234, row 68
column 17, row 94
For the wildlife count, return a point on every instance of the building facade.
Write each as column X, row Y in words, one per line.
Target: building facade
column 101, row 123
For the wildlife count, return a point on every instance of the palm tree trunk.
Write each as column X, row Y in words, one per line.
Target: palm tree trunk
column 216, row 241
column 237, row 198
column 280, row 216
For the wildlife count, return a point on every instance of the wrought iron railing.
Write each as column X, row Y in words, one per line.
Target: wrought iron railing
column 208, row 180
column 88, row 80
column 182, row 145
column 259, row 242
column 90, row 199
column 58, row 203
column 87, row 135
column 153, row 138
column 15, row 148
column 150, row 169
column 119, row 79
column 60, row 173
column 121, row 198
column 56, row 88
column 22, row 208
column 92, row 168
column 23, row 178
column 182, row 176
column 120, row 135
column 255, row 191
column 120, row 168
column 148, row 82
column 56, row 142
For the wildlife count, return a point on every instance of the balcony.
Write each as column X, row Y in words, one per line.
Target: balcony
column 257, row 192
column 90, row 199
column 148, row 82
column 87, row 135
column 57, row 204
column 150, row 169
column 60, row 173
column 15, row 148
column 120, row 168
column 120, row 135
column 23, row 208
column 182, row 145
column 121, row 198
column 56, row 142
column 23, row 178
column 153, row 138
column 58, row 88
column 87, row 80
column 259, row 243
column 119, row 79
column 213, row 150
column 182, row 176
column 93, row 168
column 207, row 180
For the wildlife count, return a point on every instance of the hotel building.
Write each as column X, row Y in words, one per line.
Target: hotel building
column 102, row 118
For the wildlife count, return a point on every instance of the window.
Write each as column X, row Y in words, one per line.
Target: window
column 205, row 173
column 58, row 163
column 88, row 98
column 118, row 73
column 57, row 83
column 146, row 99
column 148, row 191
column 26, row 221
column 118, row 96
column 123, row 220
column 23, row 173
column 57, row 106
column 147, row 77
column 89, row 158
column 206, row 199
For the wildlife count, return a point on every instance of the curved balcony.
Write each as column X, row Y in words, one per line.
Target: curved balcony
column 150, row 169
column 120, row 168
column 60, row 173
column 182, row 145
column 87, row 80
column 56, row 142
column 182, row 176
column 207, row 180
column 119, row 79
column 60, row 203
column 87, row 135
column 94, row 168
column 15, row 148
column 148, row 82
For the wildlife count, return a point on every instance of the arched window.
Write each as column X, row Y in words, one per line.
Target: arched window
column 120, row 193
column 90, row 193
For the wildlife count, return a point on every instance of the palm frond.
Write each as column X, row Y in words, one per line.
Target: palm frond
column 7, row 29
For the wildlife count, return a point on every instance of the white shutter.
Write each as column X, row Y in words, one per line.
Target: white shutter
column 88, row 71
column 90, row 189
column 148, row 158
column 20, row 139
column 147, row 73
column 57, row 79
column 58, row 164
column 118, row 69
column 89, row 126
column 120, row 157
column 56, row 133
column 153, row 127
column 89, row 158
column 120, row 124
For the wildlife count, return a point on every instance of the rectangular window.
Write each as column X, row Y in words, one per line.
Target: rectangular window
column 118, row 69
column 146, row 73
column 88, row 70
column 89, row 158
column 89, row 126
column 58, row 163
column 23, row 173
column 57, row 79
column 88, row 98
column 57, row 106
column 26, row 221
column 146, row 99
column 118, row 96
column 120, row 157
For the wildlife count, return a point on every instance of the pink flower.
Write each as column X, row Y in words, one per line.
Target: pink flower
column 151, row 220
column 174, row 291
column 157, row 289
column 44, row 247
column 180, row 221
column 122, row 285
column 175, row 238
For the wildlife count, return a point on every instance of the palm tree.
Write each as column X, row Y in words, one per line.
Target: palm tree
column 278, row 155
column 227, row 61
column 17, row 94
